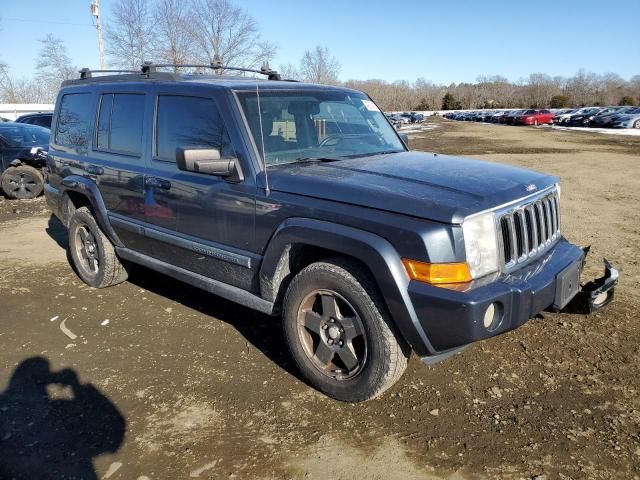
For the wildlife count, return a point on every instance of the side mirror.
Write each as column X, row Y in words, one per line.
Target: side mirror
column 405, row 138
column 209, row 162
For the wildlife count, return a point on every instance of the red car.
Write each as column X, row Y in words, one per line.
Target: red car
column 534, row 117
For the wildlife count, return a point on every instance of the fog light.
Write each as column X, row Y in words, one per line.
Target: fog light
column 491, row 316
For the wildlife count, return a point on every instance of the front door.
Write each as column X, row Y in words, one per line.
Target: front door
column 215, row 224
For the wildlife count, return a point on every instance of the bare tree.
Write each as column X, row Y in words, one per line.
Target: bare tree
column 173, row 43
column 223, row 31
column 53, row 65
column 289, row 72
column 319, row 66
column 129, row 33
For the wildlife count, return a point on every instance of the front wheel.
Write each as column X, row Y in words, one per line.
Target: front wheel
column 637, row 124
column 22, row 182
column 339, row 332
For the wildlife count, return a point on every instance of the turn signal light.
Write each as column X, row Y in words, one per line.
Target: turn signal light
column 437, row 273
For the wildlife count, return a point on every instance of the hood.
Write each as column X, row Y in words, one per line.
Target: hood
column 426, row 185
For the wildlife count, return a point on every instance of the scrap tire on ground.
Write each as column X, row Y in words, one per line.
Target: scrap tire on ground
column 93, row 254
column 374, row 355
column 22, row 182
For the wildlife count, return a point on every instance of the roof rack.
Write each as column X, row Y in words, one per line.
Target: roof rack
column 150, row 70
column 149, row 67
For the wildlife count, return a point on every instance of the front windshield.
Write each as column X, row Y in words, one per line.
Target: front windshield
column 311, row 125
column 23, row 135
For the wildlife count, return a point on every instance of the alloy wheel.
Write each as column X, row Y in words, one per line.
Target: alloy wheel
column 332, row 334
column 87, row 250
column 21, row 184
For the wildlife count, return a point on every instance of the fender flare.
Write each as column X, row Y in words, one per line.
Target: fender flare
column 87, row 188
column 372, row 250
column 16, row 163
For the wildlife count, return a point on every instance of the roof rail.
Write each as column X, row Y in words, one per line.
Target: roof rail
column 149, row 68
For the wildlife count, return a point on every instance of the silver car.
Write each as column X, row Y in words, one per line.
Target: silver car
column 627, row 120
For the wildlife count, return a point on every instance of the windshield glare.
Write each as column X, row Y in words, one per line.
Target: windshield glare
column 317, row 124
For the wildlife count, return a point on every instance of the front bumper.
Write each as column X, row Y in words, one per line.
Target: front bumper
column 452, row 319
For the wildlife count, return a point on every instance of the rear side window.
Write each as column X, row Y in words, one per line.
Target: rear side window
column 184, row 122
column 73, row 131
column 120, row 123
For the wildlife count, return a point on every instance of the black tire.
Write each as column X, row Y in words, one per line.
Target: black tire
column 22, row 182
column 380, row 351
column 637, row 124
column 93, row 255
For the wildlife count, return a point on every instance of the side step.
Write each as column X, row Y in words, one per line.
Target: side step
column 229, row 292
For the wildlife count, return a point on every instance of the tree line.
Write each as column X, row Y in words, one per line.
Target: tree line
column 539, row 90
column 199, row 31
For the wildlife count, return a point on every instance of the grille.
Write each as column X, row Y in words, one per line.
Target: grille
column 529, row 229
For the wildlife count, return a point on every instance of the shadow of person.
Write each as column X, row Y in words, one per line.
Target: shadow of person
column 51, row 426
column 58, row 232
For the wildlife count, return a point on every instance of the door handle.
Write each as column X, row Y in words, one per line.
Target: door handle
column 155, row 182
column 69, row 163
column 94, row 170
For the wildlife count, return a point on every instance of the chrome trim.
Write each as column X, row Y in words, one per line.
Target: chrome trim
column 536, row 230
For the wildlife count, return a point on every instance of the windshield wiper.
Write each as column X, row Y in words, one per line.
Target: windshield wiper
column 316, row 159
column 371, row 154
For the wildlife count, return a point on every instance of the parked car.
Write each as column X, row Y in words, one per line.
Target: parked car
column 40, row 119
column 509, row 119
column 582, row 117
column 562, row 116
column 417, row 117
column 605, row 118
column 534, row 117
column 627, row 120
column 366, row 249
column 22, row 156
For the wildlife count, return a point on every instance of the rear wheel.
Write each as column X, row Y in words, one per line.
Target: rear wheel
column 339, row 332
column 93, row 255
column 637, row 124
column 22, row 182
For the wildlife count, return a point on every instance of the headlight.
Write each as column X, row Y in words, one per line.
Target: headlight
column 481, row 245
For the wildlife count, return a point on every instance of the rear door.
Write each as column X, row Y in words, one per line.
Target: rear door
column 120, row 146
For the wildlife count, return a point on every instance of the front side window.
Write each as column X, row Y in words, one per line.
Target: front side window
column 189, row 122
column 292, row 126
column 73, row 131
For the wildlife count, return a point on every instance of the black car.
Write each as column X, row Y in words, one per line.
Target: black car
column 583, row 117
column 22, row 156
column 40, row 119
column 301, row 200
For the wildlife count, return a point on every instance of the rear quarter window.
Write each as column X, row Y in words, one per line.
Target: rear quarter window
column 73, row 131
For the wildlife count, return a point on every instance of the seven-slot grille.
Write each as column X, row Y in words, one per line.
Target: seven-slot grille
column 529, row 229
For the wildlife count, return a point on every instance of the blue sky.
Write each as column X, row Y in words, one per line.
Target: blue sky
column 442, row 41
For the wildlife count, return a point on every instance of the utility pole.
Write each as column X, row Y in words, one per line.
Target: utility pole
column 95, row 12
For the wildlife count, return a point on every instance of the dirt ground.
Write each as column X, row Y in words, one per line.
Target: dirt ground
column 163, row 381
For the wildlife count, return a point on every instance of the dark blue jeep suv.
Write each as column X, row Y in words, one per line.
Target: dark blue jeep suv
column 303, row 201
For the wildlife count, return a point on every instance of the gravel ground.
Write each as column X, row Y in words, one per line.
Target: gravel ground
column 153, row 379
